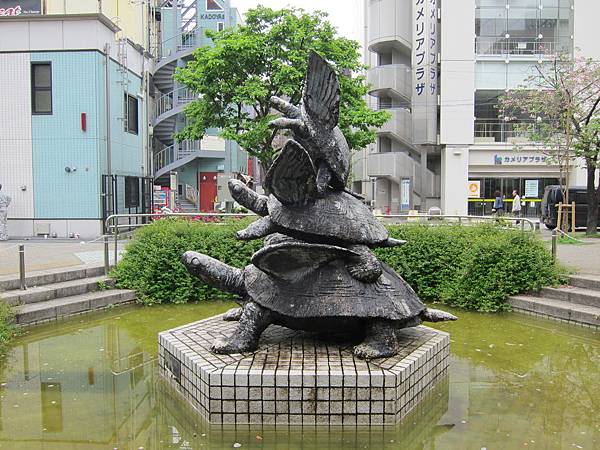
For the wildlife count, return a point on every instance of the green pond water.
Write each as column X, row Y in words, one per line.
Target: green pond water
column 92, row 383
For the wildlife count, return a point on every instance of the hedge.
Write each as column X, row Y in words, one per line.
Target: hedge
column 7, row 328
column 474, row 267
column 152, row 263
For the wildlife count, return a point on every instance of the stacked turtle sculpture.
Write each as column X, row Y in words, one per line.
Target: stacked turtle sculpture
column 316, row 271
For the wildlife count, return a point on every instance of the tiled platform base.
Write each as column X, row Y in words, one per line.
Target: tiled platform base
column 295, row 379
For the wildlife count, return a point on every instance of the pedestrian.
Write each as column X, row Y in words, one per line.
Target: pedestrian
column 498, row 208
column 4, row 202
column 516, row 206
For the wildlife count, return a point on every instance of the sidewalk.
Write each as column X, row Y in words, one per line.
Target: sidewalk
column 584, row 258
column 44, row 254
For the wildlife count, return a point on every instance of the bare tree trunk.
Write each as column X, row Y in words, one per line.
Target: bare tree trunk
column 593, row 196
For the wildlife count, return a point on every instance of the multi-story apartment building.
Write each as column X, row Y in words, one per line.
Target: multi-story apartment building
column 439, row 67
column 73, row 141
column 199, row 169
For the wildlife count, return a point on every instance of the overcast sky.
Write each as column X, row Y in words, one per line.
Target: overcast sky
column 346, row 15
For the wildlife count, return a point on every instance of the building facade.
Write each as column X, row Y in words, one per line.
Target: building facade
column 198, row 170
column 439, row 67
column 73, row 119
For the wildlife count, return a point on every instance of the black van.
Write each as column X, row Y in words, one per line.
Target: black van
column 553, row 195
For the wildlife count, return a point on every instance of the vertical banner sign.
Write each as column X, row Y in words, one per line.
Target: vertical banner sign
column 405, row 194
column 425, row 71
column 20, row 7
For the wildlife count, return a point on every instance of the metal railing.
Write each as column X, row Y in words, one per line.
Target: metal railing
column 515, row 46
column 177, row 97
column 175, row 152
column 113, row 225
column 503, row 131
column 192, row 195
column 178, row 43
column 458, row 219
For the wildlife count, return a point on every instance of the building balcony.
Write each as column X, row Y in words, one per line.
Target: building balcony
column 534, row 48
column 498, row 131
column 395, row 166
column 390, row 22
column 399, row 127
column 390, row 80
column 391, row 165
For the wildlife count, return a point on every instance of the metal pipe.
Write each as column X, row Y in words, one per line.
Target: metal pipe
column 108, row 115
column 106, row 256
column 22, row 267
column 554, row 243
column 116, row 243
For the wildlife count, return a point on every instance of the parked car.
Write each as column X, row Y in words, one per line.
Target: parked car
column 553, row 196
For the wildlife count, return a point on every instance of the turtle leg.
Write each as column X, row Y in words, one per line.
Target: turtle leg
column 233, row 315
column 257, row 229
column 248, row 198
column 380, row 340
column 215, row 273
column 253, row 321
column 366, row 267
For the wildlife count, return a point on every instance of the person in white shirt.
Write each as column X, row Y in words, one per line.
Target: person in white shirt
column 516, row 206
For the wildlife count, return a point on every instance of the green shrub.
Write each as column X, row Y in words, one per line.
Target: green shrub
column 152, row 264
column 7, row 328
column 473, row 267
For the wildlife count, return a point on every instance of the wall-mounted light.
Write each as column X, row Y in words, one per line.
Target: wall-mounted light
column 70, row 169
column 457, row 152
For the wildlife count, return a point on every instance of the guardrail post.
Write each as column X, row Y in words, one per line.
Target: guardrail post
column 106, row 256
column 22, row 267
column 116, row 231
column 554, row 243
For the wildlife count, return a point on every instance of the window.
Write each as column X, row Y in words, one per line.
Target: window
column 213, row 5
column 130, row 113
column 41, row 88
column 132, row 192
column 220, row 26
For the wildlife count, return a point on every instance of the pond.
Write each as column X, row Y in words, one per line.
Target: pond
column 91, row 382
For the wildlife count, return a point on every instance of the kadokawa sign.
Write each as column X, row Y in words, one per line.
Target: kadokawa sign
column 20, row 7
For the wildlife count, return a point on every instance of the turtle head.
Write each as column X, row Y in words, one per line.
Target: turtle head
column 214, row 272
column 247, row 197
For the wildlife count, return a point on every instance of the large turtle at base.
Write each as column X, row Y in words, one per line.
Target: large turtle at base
column 307, row 286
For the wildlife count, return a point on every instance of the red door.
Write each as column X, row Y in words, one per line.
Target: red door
column 207, row 181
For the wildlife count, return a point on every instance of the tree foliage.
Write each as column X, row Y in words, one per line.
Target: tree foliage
column 561, row 102
column 236, row 77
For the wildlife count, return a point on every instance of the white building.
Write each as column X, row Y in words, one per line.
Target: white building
column 439, row 67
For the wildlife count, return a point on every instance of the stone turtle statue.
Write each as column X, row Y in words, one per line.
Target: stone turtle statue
column 307, row 286
column 316, row 271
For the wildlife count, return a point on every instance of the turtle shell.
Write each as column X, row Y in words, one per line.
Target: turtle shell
column 302, row 280
column 331, row 291
column 338, row 216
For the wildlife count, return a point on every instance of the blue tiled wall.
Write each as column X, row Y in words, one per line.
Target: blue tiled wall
column 58, row 141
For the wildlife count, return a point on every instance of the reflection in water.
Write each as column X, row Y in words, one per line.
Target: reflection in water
column 92, row 383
